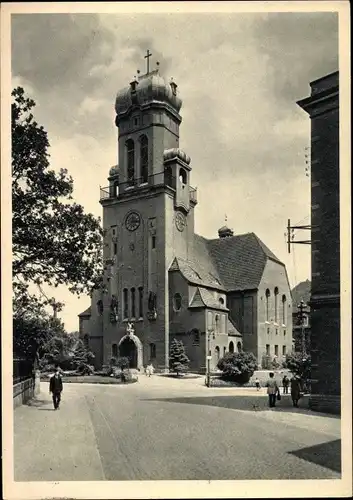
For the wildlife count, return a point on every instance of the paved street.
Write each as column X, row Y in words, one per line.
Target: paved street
column 162, row 428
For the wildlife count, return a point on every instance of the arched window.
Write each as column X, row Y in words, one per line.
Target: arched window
column 284, row 300
column 152, row 351
column 130, row 159
column 221, row 301
column 86, row 340
column 196, row 334
column 125, row 303
column 267, row 304
column 224, row 351
column 100, row 307
column 177, row 302
column 183, row 176
column 168, row 177
column 276, row 304
column 114, row 350
column 231, row 347
column 217, row 352
column 144, row 158
column 239, row 346
column 133, row 303
column 140, row 302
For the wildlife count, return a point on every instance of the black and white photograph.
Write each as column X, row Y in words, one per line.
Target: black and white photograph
column 176, row 250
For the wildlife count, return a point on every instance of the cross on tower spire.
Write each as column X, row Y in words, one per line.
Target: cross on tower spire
column 147, row 56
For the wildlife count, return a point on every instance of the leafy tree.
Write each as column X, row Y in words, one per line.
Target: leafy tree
column 54, row 241
column 178, row 360
column 299, row 364
column 238, row 366
column 36, row 334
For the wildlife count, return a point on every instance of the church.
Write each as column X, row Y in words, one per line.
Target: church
column 161, row 280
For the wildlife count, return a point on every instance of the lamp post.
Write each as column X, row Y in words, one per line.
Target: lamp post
column 301, row 307
column 209, row 355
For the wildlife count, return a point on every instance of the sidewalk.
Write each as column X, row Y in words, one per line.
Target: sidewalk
column 54, row 444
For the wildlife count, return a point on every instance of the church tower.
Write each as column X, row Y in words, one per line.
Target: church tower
column 148, row 220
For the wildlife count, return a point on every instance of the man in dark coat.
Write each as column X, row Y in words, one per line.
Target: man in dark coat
column 295, row 388
column 56, row 387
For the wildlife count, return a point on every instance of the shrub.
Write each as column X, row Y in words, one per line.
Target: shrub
column 123, row 363
column 299, row 364
column 85, row 369
column 238, row 366
column 113, row 361
column 178, row 360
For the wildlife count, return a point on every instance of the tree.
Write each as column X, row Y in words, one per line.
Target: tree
column 178, row 360
column 299, row 364
column 35, row 333
column 54, row 241
column 238, row 366
column 82, row 358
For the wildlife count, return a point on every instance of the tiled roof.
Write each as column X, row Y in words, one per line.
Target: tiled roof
column 233, row 263
column 240, row 260
column 205, row 298
column 85, row 313
column 232, row 330
column 197, row 273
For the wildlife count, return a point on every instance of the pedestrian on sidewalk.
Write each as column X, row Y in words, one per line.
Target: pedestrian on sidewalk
column 272, row 390
column 257, row 384
column 285, row 383
column 295, row 388
column 56, row 387
column 149, row 369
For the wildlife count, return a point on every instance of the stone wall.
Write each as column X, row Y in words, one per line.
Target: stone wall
column 23, row 392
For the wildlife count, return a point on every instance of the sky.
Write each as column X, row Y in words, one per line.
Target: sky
column 239, row 76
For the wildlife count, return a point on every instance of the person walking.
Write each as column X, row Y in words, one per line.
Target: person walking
column 257, row 384
column 272, row 390
column 56, row 388
column 285, row 383
column 295, row 388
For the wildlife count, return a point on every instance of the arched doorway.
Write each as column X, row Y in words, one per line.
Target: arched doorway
column 128, row 349
column 231, row 347
column 239, row 346
column 130, row 346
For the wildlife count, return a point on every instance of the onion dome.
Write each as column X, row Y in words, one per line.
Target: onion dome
column 225, row 232
column 148, row 89
column 114, row 171
column 170, row 154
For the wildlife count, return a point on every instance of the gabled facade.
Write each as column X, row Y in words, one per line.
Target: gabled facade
column 161, row 280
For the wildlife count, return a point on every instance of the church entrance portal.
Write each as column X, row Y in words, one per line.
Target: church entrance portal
column 128, row 349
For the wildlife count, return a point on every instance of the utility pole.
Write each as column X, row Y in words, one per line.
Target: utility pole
column 290, row 235
column 209, row 356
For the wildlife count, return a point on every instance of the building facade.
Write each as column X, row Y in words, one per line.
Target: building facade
column 323, row 108
column 163, row 281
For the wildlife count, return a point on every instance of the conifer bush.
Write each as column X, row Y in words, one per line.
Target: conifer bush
column 178, row 360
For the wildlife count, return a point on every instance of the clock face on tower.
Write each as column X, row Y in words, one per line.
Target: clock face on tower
column 180, row 221
column 132, row 221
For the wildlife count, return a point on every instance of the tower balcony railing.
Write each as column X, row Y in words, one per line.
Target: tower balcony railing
column 117, row 188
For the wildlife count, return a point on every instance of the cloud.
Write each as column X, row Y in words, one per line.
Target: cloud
column 239, row 77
